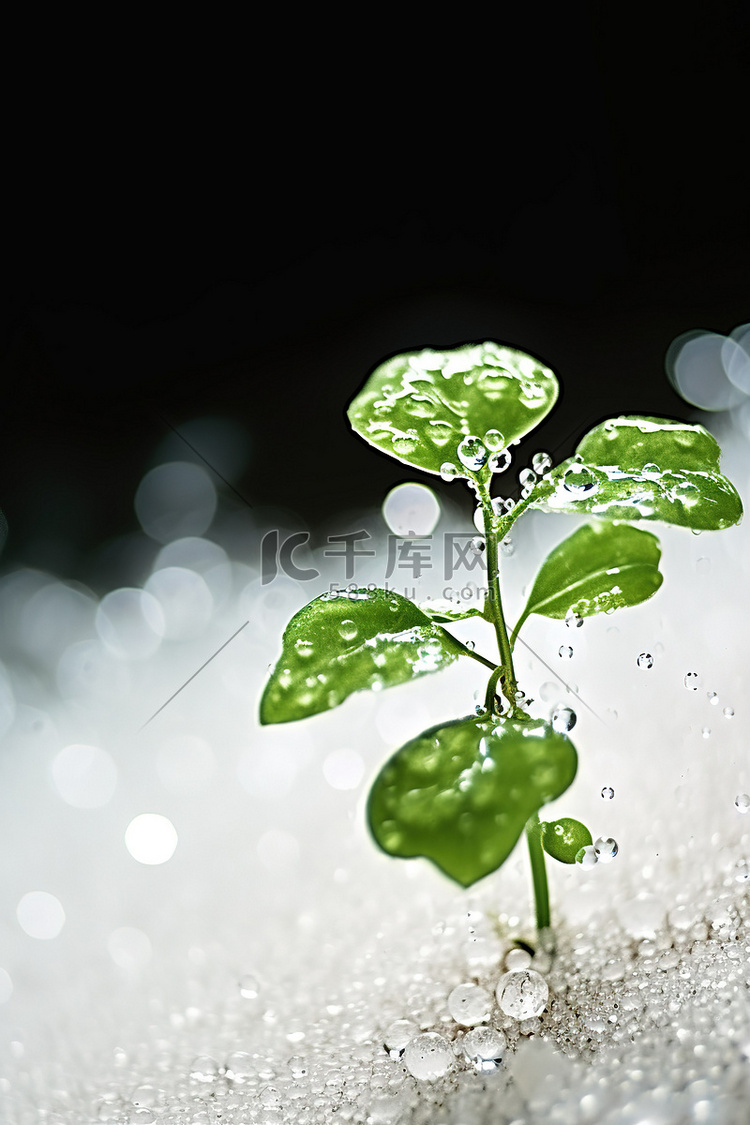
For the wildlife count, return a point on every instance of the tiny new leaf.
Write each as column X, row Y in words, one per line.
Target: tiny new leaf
column 351, row 641
column 419, row 407
column 461, row 793
column 600, row 567
column 634, row 468
column 563, row 839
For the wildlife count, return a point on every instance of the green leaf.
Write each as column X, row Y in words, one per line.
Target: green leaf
column 420, row 406
column 563, row 839
column 598, row 568
column 351, row 641
column 460, row 794
column 633, row 468
column 442, row 610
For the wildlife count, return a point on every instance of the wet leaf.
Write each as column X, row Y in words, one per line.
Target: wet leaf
column 634, row 468
column 440, row 610
column 358, row 639
column 563, row 839
column 600, row 567
column 420, row 406
column 460, row 793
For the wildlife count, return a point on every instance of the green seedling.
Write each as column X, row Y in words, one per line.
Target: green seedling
column 462, row 793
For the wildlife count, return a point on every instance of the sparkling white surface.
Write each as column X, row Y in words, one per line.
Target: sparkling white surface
column 195, row 927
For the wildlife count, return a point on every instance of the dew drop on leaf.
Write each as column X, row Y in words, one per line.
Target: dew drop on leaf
column 645, row 660
column 580, row 481
column 469, row 1004
column 472, row 453
column 348, row 630
column 428, row 1056
column 448, row 471
column 484, row 1048
column 494, row 441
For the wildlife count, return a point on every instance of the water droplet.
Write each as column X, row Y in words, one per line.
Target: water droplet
column 517, row 958
column 607, row 793
column 249, row 987
column 398, row 1036
column 742, row 801
column 565, row 652
column 469, row 1004
column 522, row 994
column 472, row 453
column 499, row 462
column 448, row 471
column 428, row 1057
column 494, row 440
column 526, row 491
column 510, row 504
column 645, row 660
column 519, row 696
column 563, row 719
column 479, row 519
column 347, row 630
column 690, row 680
column 484, row 1048
column 541, row 463
column 587, row 857
column 204, row 1069
column 650, row 469
column 706, row 732
column 471, row 645
column 526, row 477
column 580, row 481
column 606, row 849
column 573, row 620
column 729, row 712
column 239, row 1067
column 713, row 697
column 478, row 545
column 498, row 507
column 507, row 547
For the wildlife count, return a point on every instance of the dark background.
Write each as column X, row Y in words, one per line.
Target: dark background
column 244, row 229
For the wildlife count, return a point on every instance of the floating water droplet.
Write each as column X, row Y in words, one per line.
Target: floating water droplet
column 348, row 630
column 606, row 849
column 580, row 481
column 448, row 471
column 526, row 477
column 690, row 680
column 484, row 1048
column 645, row 660
column 507, row 547
column 607, row 793
column 428, row 1057
column 565, row 652
column 541, row 463
column 729, row 712
column 469, row 1004
column 587, row 857
column 742, row 801
column 478, row 545
column 713, row 697
column 499, row 462
column 494, row 440
column 471, row 645
column 563, row 719
column 472, row 453
column 398, row 1036
column 573, row 620
column 522, row 994
column 706, row 732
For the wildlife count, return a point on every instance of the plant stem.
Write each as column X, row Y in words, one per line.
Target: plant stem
column 538, row 872
column 508, row 679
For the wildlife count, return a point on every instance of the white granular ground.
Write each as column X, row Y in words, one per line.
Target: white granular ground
column 196, row 928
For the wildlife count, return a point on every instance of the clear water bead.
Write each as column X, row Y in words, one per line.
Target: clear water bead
column 742, row 802
column 472, row 453
column 478, row 545
column 526, row 477
column 428, row 1057
column 606, row 849
column 479, row 519
column 706, row 732
column 522, row 994
column 500, row 461
column 469, row 1004
column 249, row 987
column 580, row 481
column 565, row 652
column 729, row 712
column 607, row 793
column 645, row 660
column 587, row 857
column 204, row 1069
column 713, row 698
column 347, row 630
column 448, row 471
column 494, row 440
column 517, row 958
column 563, row 719
column 541, row 463
column 484, row 1048
column 573, row 620
column 398, row 1037
column 690, row 680
column 507, row 547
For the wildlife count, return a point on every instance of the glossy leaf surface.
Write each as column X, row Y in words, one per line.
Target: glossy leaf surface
column 420, row 406
column 563, row 839
column 441, row 610
column 460, row 794
column 347, row 642
column 600, row 567
column 634, row 468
